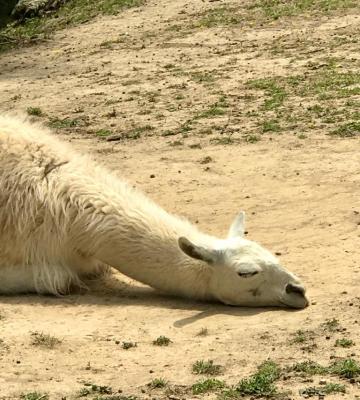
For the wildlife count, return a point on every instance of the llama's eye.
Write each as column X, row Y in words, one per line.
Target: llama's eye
column 247, row 274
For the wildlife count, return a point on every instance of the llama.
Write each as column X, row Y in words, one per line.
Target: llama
column 63, row 217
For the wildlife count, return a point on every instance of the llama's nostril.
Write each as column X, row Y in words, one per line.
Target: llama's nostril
column 295, row 288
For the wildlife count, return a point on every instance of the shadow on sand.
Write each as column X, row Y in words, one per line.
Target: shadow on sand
column 115, row 293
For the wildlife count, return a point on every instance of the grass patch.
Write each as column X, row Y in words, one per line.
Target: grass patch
column 202, row 76
column 207, row 385
column 162, row 341
column 271, row 125
column 308, row 368
column 101, row 389
column 299, row 337
column 262, row 382
column 275, row 9
column 274, row 93
column 44, row 340
column 330, row 83
column 347, row 368
column 128, row 345
column 214, row 110
column 219, row 16
column 331, row 325
column 344, row 343
column 329, row 89
column 157, row 383
column 202, row 367
column 320, row 391
column 58, row 123
column 34, row 396
column 35, row 111
column 103, row 133
column 72, row 13
column 350, row 129
column 137, row 132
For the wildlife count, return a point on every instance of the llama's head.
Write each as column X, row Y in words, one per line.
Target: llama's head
column 245, row 274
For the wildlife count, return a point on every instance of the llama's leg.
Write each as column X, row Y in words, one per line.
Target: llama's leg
column 87, row 267
column 36, row 279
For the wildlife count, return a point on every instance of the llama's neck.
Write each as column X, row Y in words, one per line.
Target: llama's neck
column 161, row 264
column 140, row 240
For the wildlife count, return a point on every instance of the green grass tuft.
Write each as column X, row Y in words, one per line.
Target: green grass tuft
column 44, row 340
column 308, row 368
column 349, row 129
column 103, row 133
column 102, row 389
column 299, row 337
column 220, row 16
column 271, row 125
column 128, row 345
column 215, row 109
column 162, row 341
column 157, row 383
column 321, row 391
column 207, row 385
column 275, row 94
column 202, row 367
column 64, row 123
column 347, row 368
column 34, row 396
column 36, row 111
column 260, row 384
column 344, row 343
column 331, row 325
column 136, row 133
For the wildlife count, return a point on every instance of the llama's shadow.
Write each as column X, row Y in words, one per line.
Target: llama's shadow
column 119, row 293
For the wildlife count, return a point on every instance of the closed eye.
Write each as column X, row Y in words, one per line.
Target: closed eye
column 247, row 274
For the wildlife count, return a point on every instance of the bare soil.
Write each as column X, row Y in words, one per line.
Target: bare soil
column 142, row 75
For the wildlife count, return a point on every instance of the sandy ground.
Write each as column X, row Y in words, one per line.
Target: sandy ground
column 301, row 199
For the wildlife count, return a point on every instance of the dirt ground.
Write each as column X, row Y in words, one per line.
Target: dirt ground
column 143, row 75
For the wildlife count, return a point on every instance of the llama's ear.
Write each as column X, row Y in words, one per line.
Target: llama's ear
column 197, row 252
column 237, row 228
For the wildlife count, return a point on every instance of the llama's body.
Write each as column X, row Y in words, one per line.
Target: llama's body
column 63, row 217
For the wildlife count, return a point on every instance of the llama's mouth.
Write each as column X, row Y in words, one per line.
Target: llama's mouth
column 297, row 301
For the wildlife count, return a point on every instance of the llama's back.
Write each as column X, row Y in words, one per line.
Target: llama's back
column 35, row 209
column 29, row 159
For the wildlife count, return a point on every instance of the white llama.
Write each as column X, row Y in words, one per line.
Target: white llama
column 63, row 217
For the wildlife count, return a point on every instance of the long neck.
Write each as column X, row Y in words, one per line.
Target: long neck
column 132, row 234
